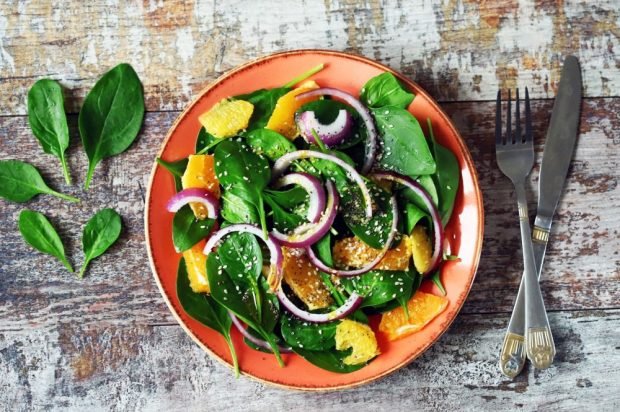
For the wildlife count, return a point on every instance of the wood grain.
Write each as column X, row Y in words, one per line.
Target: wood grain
column 457, row 50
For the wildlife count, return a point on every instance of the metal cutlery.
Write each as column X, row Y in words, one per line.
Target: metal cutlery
column 515, row 158
column 559, row 146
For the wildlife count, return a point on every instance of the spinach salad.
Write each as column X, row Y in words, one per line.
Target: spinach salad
column 304, row 211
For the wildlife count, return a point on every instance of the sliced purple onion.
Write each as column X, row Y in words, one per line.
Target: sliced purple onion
column 195, row 195
column 343, row 311
column 285, row 161
column 371, row 144
column 315, row 190
column 275, row 250
column 368, row 267
column 430, row 206
column 310, row 233
column 257, row 341
column 331, row 134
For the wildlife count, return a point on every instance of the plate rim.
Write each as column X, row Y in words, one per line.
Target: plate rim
column 466, row 157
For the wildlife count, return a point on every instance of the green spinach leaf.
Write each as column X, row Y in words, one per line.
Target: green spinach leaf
column 385, row 90
column 235, row 207
column 100, row 232
column 206, row 142
column 413, row 215
column 373, row 232
column 20, row 182
column 264, row 101
column 331, row 360
column 187, row 230
column 176, row 168
column 39, row 233
column 404, row 147
column 308, row 335
column 111, row 116
column 48, row 121
column 380, row 286
column 268, row 143
column 283, row 220
column 428, row 185
column 205, row 310
column 446, row 177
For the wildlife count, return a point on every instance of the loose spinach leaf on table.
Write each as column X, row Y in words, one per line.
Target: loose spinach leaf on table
column 264, row 101
column 403, row 145
column 380, row 286
column 100, row 232
column 176, row 168
column 268, row 143
column 48, row 121
column 205, row 310
column 237, row 166
column 446, row 177
column 21, row 181
column 240, row 302
column 331, row 360
column 308, row 335
column 235, row 207
column 39, row 233
column 111, row 116
column 385, row 90
column 187, row 230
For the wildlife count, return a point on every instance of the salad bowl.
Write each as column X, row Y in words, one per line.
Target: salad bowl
column 463, row 232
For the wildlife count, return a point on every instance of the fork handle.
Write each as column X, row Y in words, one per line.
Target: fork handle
column 539, row 345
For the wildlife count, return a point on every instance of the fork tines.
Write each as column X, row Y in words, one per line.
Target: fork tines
column 518, row 136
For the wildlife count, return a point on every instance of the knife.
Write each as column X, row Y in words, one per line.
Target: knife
column 559, row 146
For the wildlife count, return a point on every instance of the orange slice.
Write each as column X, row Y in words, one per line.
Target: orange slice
column 359, row 337
column 423, row 307
column 421, row 248
column 200, row 173
column 227, row 117
column 196, row 263
column 352, row 252
column 282, row 119
column 304, row 280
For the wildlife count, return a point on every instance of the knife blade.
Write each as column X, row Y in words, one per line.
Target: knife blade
column 558, row 152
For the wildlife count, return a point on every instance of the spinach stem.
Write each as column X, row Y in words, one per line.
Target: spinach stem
column 274, row 347
column 64, row 196
column 261, row 215
column 437, row 281
column 83, row 268
column 210, row 145
column 67, row 264
column 319, row 142
column 332, row 288
column 65, row 169
column 89, row 175
column 233, row 353
column 305, row 75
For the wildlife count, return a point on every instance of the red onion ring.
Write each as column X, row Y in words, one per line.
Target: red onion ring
column 310, row 233
column 315, row 190
column 195, row 195
column 275, row 250
column 368, row 267
column 428, row 202
column 371, row 146
column 343, row 311
column 331, row 134
column 258, row 342
column 284, row 162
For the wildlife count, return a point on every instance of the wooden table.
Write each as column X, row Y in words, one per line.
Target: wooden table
column 109, row 342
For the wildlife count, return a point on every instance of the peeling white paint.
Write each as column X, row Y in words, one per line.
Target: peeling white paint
column 6, row 60
column 527, row 31
column 90, row 57
column 185, row 44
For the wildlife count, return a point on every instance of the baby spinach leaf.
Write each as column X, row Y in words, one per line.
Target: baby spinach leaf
column 436, row 278
column 268, row 143
column 20, row 182
column 111, row 116
column 283, row 220
column 413, row 215
column 39, row 233
column 308, row 335
column 206, row 142
column 373, row 232
column 331, row 360
column 264, row 101
column 326, row 111
column 428, row 185
column 100, row 232
column 238, row 301
column 235, row 209
column 48, row 121
column 205, row 310
column 176, row 168
column 288, row 198
column 446, row 177
column 385, row 90
column 380, row 286
column 187, row 230
column 404, row 148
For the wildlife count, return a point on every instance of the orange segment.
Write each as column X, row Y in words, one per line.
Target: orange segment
column 304, row 280
column 200, row 173
column 359, row 337
column 420, row 248
column 423, row 307
column 352, row 252
column 196, row 262
column 227, row 117
column 282, row 119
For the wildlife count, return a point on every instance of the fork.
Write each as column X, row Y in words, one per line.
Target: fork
column 515, row 158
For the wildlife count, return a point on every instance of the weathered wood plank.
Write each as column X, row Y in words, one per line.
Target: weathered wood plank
column 581, row 270
column 71, row 367
column 458, row 50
